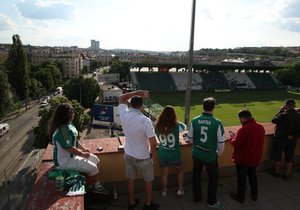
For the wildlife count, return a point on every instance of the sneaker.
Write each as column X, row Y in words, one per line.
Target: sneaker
column 100, row 189
column 237, row 198
column 164, row 193
column 136, row 203
column 217, row 205
column 180, row 192
column 152, row 206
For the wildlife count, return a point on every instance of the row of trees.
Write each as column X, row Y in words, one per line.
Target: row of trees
column 21, row 82
column 276, row 51
column 290, row 75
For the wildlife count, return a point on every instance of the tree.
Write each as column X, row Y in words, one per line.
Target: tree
column 6, row 102
column 49, row 74
column 95, row 64
column 36, row 88
column 290, row 75
column 84, row 70
column 45, row 77
column 84, row 90
column 17, row 68
column 41, row 131
column 123, row 68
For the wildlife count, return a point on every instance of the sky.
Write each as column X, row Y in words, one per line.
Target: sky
column 157, row 25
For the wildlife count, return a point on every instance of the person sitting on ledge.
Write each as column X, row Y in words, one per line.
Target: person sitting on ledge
column 66, row 152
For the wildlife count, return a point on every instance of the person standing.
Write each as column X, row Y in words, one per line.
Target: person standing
column 285, row 138
column 68, row 153
column 248, row 146
column 206, row 133
column 139, row 136
column 167, row 130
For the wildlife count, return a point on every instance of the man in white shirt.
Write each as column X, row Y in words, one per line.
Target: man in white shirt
column 140, row 143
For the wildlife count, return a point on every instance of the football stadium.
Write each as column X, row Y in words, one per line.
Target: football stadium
column 258, row 90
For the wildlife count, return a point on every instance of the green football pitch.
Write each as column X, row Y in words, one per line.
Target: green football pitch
column 262, row 104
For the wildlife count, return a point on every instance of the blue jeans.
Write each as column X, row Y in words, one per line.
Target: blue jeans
column 212, row 169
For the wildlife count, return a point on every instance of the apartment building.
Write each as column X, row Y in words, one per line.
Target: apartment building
column 72, row 64
column 72, row 61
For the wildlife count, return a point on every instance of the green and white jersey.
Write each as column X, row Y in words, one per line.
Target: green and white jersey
column 169, row 147
column 206, row 132
column 63, row 138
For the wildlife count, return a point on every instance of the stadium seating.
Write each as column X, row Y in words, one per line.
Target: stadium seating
column 180, row 80
column 173, row 81
column 133, row 78
column 239, row 80
column 214, row 81
column 263, row 80
column 155, row 81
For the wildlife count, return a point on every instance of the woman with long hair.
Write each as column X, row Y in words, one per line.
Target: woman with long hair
column 68, row 153
column 167, row 130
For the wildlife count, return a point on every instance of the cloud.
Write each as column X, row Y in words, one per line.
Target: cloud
column 291, row 25
column 292, row 10
column 5, row 23
column 290, row 16
column 47, row 10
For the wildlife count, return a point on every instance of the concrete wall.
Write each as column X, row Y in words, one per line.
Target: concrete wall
column 112, row 167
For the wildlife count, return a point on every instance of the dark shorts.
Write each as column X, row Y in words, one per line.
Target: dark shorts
column 169, row 163
column 284, row 145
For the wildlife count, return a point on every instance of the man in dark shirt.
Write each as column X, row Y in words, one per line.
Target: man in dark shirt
column 286, row 133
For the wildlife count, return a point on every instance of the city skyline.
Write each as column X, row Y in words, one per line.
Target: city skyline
column 151, row 25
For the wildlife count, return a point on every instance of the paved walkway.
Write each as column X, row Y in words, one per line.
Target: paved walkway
column 274, row 193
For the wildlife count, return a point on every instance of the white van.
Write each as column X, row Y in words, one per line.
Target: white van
column 4, row 128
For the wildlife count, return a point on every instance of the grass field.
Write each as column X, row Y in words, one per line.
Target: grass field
column 263, row 104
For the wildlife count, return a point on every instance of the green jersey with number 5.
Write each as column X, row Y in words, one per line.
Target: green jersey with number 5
column 206, row 132
column 169, row 147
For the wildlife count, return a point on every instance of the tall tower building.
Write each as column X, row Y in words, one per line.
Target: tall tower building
column 95, row 45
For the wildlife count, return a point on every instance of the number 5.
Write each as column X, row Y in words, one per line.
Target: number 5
column 203, row 133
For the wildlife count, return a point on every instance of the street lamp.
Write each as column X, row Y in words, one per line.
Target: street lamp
column 190, row 68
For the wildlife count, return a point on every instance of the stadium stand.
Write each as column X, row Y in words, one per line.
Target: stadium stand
column 263, row 80
column 180, row 80
column 203, row 81
column 155, row 81
column 214, row 81
column 133, row 78
column 279, row 84
column 239, row 80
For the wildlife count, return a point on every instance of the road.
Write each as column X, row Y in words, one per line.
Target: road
column 17, row 158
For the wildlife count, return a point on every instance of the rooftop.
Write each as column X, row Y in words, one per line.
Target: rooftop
column 274, row 193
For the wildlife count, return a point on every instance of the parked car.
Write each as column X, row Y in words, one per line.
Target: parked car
column 44, row 103
column 4, row 128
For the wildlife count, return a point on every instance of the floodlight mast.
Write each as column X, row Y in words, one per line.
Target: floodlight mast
column 190, row 68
